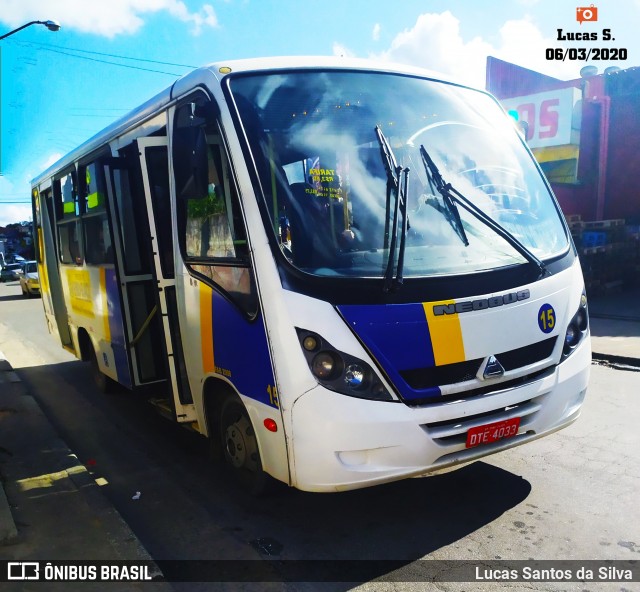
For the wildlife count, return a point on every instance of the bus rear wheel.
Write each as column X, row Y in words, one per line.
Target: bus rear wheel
column 103, row 382
column 240, row 448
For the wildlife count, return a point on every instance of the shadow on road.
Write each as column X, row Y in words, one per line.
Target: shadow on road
column 12, row 297
column 135, row 448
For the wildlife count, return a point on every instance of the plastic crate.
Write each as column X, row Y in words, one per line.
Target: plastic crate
column 593, row 238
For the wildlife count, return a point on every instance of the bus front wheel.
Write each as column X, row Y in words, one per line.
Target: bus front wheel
column 240, row 447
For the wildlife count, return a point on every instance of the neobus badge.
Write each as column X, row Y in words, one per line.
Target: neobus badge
column 481, row 304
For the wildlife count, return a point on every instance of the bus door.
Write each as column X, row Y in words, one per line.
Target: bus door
column 137, row 286
column 154, row 163
column 50, row 283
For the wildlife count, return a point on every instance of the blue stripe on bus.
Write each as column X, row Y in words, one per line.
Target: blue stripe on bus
column 398, row 332
column 397, row 335
column 116, row 326
column 241, row 351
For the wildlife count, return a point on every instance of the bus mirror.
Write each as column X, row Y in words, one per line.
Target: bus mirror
column 205, row 111
column 191, row 162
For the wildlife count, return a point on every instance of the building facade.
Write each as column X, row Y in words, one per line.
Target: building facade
column 585, row 133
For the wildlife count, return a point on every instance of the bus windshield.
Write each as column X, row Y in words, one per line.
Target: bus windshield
column 333, row 189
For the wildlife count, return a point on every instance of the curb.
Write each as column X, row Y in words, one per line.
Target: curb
column 8, row 529
column 622, row 362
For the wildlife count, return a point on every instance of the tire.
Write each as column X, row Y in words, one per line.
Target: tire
column 241, row 455
column 103, row 382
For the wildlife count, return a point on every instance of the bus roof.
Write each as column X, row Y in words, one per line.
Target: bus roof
column 215, row 72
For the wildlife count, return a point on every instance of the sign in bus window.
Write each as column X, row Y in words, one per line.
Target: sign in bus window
column 94, row 188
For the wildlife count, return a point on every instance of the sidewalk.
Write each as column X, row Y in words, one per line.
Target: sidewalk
column 50, row 506
column 54, row 510
column 615, row 327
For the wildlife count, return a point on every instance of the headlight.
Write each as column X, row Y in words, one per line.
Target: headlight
column 572, row 336
column 577, row 327
column 339, row 371
column 354, row 376
column 325, row 366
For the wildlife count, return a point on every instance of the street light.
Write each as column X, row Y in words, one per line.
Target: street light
column 51, row 25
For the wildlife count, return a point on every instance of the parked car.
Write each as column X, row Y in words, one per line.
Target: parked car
column 29, row 280
column 10, row 272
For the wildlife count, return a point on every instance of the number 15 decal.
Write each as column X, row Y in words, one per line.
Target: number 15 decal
column 546, row 318
column 273, row 396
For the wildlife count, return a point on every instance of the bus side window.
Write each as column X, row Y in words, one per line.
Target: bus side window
column 158, row 171
column 97, row 238
column 211, row 228
column 210, row 224
column 67, row 210
column 69, row 243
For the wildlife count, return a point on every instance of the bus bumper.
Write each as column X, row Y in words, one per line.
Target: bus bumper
column 341, row 443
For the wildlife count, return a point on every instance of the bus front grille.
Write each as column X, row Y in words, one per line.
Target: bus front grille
column 424, row 378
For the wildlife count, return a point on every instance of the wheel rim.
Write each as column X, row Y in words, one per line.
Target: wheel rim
column 241, row 449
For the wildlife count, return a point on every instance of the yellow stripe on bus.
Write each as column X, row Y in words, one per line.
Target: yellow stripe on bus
column 206, row 328
column 42, row 266
column 446, row 335
column 79, row 282
column 105, row 305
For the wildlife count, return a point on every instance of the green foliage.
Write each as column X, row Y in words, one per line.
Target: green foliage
column 208, row 206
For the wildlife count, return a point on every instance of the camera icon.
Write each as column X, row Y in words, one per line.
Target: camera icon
column 586, row 13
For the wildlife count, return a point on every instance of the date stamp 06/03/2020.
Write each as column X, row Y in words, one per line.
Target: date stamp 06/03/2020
column 588, row 14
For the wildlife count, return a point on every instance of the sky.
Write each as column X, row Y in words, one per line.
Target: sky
column 60, row 88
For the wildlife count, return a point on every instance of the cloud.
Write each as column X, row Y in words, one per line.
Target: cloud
column 524, row 44
column 51, row 159
column 115, row 17
column 375, row 34
column 10, row 214
column 14, row 212
column 435, row 42
column 20, row 191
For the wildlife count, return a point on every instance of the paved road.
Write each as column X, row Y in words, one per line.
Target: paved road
column 570, row 496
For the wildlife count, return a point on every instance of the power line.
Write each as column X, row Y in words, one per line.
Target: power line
column 92, row 115
column 112, row 63
column 110, row 55
column 65, row 51
column 98, row 109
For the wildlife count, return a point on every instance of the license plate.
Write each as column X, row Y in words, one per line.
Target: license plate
column 492, row 432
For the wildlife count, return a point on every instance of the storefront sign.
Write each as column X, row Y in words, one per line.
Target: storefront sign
column 552, row 117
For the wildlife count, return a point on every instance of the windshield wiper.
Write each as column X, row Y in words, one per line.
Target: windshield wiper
column 397, row 187
column 435, row 178
column 451, row 196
